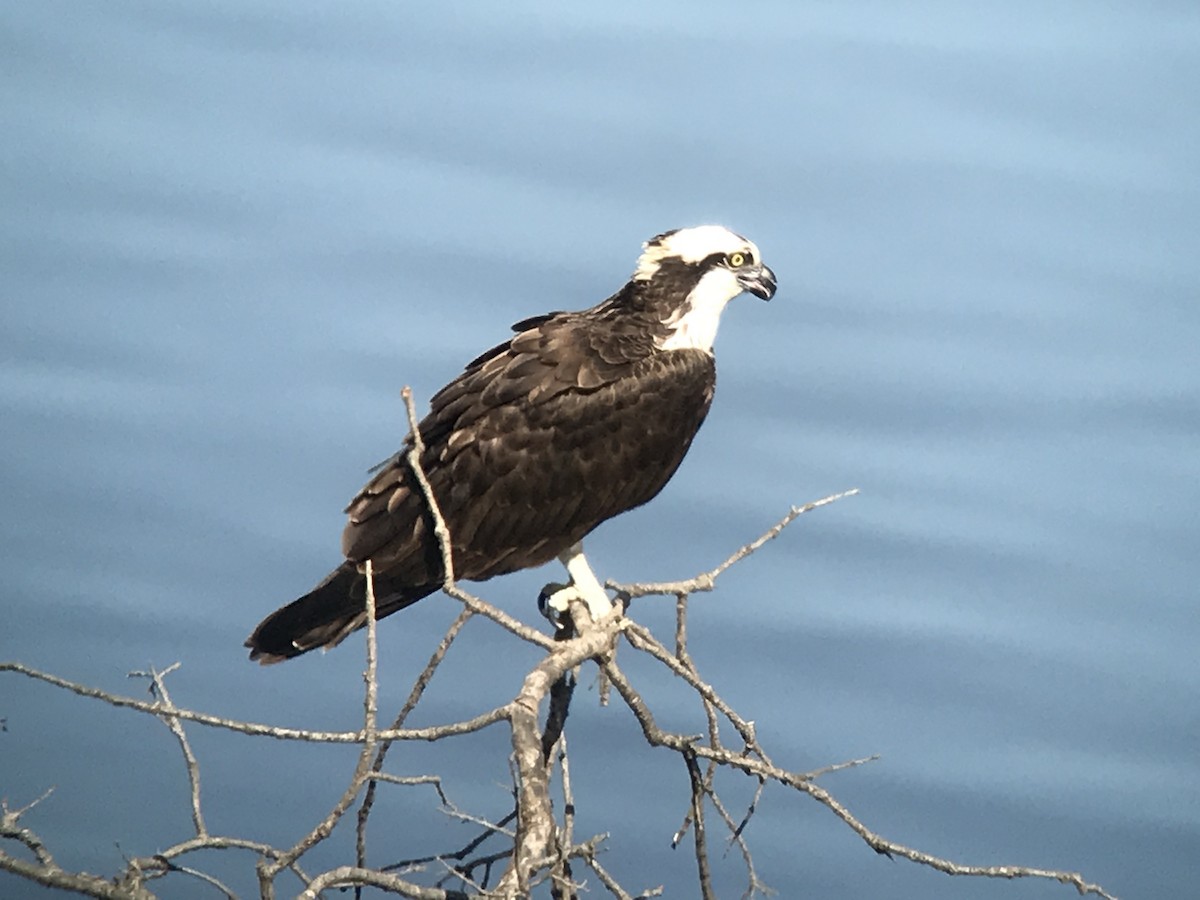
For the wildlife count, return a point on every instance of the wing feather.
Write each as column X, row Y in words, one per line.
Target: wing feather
column 533, row 445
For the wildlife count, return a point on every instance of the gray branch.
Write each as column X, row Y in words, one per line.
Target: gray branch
column 540, row 847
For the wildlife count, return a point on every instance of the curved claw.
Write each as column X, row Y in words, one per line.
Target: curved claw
column 555, row 599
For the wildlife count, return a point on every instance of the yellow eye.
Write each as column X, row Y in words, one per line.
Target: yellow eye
column 736, row 260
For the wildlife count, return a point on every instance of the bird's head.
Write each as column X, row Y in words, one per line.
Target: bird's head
column 689, row 274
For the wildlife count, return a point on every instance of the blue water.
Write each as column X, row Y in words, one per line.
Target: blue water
column 229, row 235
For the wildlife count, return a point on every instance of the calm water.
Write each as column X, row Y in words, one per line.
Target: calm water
column 229, row 235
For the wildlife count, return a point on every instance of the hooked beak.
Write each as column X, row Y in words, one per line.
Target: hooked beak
column 759, row 281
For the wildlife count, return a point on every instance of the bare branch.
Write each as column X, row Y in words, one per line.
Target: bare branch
column 754, row 885
column 536, row 847
column 838, row 767
column 465, row 865
column 158, row 687
column 755, row 766
column 269, row 869
column 641, row 638
column 535, row 820
column 79, row 882
column 414, row 697
column 349, row 876
column 699, row 833
column 415, row 451
column 201, row 876
column 706, row 581
column 588, row 852
column 433, row 733
column 10, row 828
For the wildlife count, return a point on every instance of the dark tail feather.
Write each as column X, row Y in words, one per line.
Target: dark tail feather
column 326, row 615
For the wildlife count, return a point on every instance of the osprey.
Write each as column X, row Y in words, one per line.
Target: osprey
column 578, row 417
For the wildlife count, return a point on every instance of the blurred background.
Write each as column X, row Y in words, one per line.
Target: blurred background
column 231, row 232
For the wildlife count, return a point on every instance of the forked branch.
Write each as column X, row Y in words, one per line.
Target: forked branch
column 539, row 849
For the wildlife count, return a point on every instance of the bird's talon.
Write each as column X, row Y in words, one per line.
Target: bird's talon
column 554, row 602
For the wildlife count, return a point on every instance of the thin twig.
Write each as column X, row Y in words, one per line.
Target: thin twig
column 159, row 688
column 838, row 767
column 414, row 697
column 415, row 452
column 269, row 869
column 699, row 833
column 706, row 581
column 445, row 542
column 755, row 766
column 433, row 733
column 349, row 876
column 490, row 829
column 642, row 639
column 10, row 828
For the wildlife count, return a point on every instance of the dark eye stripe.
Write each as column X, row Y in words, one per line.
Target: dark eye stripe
column 725, row 259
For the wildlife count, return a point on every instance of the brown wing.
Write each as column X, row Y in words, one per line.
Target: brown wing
column 535, row 444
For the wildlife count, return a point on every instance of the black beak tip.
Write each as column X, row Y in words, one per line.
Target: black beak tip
column 764, row 284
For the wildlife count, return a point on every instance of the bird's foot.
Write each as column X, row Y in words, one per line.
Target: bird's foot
column 554, row 601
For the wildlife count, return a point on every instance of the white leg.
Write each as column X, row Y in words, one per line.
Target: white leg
column 584, row 584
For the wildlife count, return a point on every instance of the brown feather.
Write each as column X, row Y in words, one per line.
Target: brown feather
column 577, row 418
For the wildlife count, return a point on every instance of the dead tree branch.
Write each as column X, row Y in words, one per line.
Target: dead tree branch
column 538, row 849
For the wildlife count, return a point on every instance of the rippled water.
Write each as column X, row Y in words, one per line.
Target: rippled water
column 230, row 234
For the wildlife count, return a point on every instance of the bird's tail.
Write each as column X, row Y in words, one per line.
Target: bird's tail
column 326, row 615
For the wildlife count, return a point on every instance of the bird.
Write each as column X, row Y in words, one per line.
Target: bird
column 576, row 418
